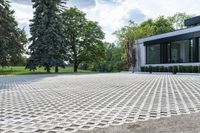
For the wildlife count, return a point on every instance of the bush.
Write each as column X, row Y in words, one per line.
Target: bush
column 175, row 69
column 142, row 69
column 156, row 68
column 195, row 69
column 170, row 69
column 150, row 69
column 181, row 69
column 146, row 69
column 199, row 69
column 161, row 69
column 84, row 67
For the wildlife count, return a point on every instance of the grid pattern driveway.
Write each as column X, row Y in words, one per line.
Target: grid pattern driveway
column 69, row 103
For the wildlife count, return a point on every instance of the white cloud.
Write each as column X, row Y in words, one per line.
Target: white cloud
column 23, row 15
column 82, row 3
column 113, row 14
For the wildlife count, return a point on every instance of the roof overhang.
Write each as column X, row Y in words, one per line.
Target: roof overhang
column 171, row 36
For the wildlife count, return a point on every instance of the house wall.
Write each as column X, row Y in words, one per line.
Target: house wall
column 141, row 49
column 140, row 56
column 141, row 59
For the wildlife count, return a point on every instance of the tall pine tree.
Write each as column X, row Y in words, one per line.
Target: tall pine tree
column 12, row 39
column 47, row 47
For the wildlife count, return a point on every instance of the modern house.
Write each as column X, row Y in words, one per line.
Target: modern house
column 181, row 47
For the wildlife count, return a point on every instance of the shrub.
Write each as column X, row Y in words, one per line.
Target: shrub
column 150, row 69
column 170, row 69
column 146, row 69
column 161, row 69
column 175, row 69
column 195, row 69
column 166, row 69
column 84, row 66
column 142, row 69
column 190, row 69
column 199, row 69
column 157, row 69
column 181, row 69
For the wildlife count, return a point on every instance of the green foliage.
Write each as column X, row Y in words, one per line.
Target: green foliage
column 161, row 69
column 178, row 20
column 84, row 66
column 142, row 69
column 150, row 69
column 147, row 69
column 83, row 37
column 173, row 69
column 12, row 39
column 114, row 61
column 20, row 70
column 199, row 69
column 195, row 69
column 127, row 35
column 47, row 47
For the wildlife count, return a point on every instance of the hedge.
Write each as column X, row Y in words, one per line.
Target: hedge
column 173, row 69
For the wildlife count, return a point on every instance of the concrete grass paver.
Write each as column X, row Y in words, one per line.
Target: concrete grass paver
column 69, row 103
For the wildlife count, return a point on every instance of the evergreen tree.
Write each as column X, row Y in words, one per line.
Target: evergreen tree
column 47, row 47
column 12, row 39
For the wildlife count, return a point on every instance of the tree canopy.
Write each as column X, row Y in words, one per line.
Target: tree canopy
column 47, row 47
column 178, row 20
column 12, row 39
column 127, row 35
column 84, row 37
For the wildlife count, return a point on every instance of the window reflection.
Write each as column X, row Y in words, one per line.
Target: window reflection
column 180, row 51
column 153, row 54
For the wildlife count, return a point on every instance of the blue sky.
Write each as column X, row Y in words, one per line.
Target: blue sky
column 113, row 14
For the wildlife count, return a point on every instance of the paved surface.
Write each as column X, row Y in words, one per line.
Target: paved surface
column 68, row 103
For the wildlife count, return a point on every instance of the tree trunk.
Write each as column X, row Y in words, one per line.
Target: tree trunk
column 75, row 67
column 56, row 69
column 48, row 69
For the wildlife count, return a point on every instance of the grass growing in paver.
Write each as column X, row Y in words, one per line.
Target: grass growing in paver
column 20, row 70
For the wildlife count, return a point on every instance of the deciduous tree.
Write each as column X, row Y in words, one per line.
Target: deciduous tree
column 178, row 20
column 84, row 38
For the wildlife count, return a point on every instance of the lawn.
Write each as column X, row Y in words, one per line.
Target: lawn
column 20, row 70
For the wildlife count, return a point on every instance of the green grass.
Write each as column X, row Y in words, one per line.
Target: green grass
column 20, row 70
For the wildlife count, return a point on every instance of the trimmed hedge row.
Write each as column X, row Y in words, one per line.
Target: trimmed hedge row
column 173, row 69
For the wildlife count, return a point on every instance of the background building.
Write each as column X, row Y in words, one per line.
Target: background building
column 180, row 47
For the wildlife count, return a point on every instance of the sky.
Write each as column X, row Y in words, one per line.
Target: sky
column 113, row 14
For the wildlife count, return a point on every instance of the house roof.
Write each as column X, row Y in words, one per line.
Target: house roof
column 169, row 34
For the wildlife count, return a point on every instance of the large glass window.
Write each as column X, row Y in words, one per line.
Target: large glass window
column 153, row 54
column 183, row 51
column 180, row 51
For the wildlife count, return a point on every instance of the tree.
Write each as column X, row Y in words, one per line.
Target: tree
column 84, row 38
column 153, row 27
column 12, row 39
column 127, row 35
column 162, row 25
column 178, row 20
column 47, row 47
column 126, row 38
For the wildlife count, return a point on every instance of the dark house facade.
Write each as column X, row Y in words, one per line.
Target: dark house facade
column 180, row 47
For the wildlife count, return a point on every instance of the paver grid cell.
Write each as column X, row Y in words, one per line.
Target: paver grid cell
column 68, row 103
